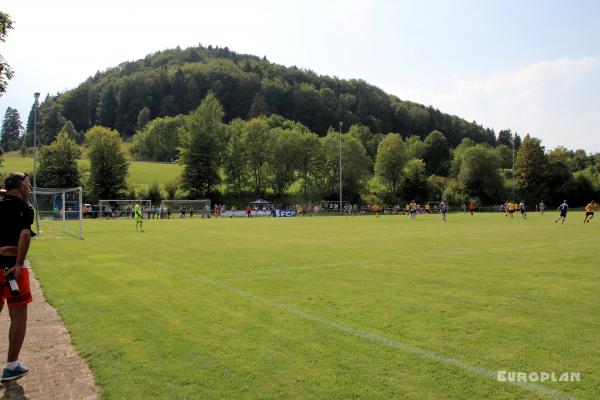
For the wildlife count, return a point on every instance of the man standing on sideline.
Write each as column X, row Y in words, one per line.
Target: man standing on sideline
column 563, row 208
column 139, row 218
column 16, row 215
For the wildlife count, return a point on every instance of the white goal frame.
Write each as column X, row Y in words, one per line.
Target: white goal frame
column 67, row 204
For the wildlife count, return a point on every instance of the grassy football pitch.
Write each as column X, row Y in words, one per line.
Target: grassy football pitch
column 331, row 307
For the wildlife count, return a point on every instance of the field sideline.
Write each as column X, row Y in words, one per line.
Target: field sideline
column 331, row 307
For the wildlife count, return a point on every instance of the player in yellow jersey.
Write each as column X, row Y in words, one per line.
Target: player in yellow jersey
column 512, row 206
column 589, row 211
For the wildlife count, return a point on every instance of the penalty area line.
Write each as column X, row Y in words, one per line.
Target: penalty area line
column 532, row 387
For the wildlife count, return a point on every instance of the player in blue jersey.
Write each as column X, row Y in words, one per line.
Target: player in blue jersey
column 412, row 209
column 562, row 209
column 443, row 209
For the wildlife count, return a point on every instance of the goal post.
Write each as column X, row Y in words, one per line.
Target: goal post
column 121, row 207
column 58, row 212
column 198, row 207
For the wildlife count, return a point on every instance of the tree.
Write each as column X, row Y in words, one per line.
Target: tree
column 107, row 108
column 580, row 159
column 356, row 165
column 505, row 153
column 153, row 193
column 369, row 140
column 178, row 90
column 143, row 119
column 108, row 164
column 10, row 136
column 257, row 141
column 159, row 140
column 6, row 72
column 505, row 137
column 531, row 169
column 415, row 180
column 171, row 187
column 310, row 161
column 52, row 121
column 457, row 156
column 203, row 141
column 284, row 157
column 415, row 147
column 479, row 173
column 517, row 140
column 391, row 157
column 259, row 106
column 235, row 160
column 58, row 163
column 558, row 178
column 437, row 154
column 71, row 132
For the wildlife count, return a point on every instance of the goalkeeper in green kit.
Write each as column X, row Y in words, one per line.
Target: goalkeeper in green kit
column 139, row 219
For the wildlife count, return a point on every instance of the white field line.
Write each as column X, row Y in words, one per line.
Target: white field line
column 532, row 387
column 543, row 390
column 285, row 269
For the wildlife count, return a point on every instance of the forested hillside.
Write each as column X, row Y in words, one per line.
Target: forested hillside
column 243, row 127
column 173, row 82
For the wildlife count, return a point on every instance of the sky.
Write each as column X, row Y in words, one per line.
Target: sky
column 532, row 66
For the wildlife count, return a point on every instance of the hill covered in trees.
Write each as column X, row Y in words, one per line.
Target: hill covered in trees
column 172, row 82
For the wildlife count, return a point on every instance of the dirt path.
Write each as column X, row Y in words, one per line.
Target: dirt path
column 56, row 371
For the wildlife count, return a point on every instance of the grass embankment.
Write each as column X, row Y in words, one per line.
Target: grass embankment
column 141, row 173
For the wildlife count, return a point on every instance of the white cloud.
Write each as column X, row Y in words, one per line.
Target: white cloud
column 544, row 99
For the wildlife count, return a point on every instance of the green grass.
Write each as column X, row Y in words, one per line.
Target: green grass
column 279, row 308
column 141, row 174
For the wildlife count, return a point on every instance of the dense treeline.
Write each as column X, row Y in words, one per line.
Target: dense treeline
column 285, row 161
column 173, row 82
column 243, row 127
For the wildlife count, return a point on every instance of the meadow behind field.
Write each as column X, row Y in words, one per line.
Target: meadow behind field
column 329, row 307
column 141, row 173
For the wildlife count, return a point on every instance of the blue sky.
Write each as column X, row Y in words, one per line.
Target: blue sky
column 532, row 66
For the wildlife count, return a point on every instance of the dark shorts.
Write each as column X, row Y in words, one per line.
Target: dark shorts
column 24, row 295
column 588, row 213
column 511, row 211
column 563, row 214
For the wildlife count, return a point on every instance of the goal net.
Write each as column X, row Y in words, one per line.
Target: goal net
column 121, row 208
column 182, row 208
column 58, row 212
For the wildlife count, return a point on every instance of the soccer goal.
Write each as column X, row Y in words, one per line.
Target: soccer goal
column 183, row 207
column 58, row 212
column 121, row 208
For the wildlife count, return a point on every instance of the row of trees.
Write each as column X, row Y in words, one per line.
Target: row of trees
column 284, row 160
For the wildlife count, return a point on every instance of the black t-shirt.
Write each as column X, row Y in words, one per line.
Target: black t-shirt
column 15, row 215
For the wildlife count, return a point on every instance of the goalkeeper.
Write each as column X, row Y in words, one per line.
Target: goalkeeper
column 139, row 219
